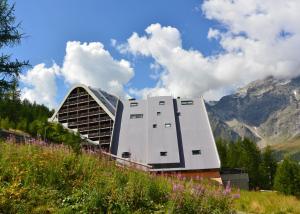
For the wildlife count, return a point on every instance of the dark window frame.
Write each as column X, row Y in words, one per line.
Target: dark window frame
column 134, row 104
column 163, row 154
column 136, row 116
column 162, row 102
column 126, row 155
column 196, row 152
column 187, row 102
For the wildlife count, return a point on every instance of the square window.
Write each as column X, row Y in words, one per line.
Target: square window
column 163, row 153
column 126, row 155
column 167, row 125
column 158, row 113
column 133, row 104
column 154, row 125
column 161, row 103
column 196, row 152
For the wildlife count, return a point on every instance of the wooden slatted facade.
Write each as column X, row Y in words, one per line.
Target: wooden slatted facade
column 81, row 112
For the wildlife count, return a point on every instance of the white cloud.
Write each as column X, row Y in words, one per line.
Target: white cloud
column 186, row 72
column 113, row 42
column 85, row 63
column 40, row 84
column 259, row 38
column 91, row 64
column 213, row 34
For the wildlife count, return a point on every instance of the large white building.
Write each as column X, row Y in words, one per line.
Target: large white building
column 170, row 135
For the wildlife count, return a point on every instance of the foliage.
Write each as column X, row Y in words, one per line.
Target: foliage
column 245, row 154
column 32, row 118
column 35, row 179
column 268, row 168
column 9, row 36
column 22, row 113
column 287, row 178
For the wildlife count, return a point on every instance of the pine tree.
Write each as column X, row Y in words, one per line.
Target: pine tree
column 9, row 36
column 268, row 168
column 287, row 178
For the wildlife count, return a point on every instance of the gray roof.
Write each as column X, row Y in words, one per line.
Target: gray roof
column 110, row 101
column 107, row 101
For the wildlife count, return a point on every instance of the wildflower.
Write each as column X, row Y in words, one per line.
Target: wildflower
column 198, row 189
column 177, row 187
column 236, row 195
column 227, row 189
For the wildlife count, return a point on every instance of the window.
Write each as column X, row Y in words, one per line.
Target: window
column 136, row 116
column 187, row 102
column 158, row 113
column 161, row 103
column 133, row 104
column 163, row 153
column 196, row 152
column 167, row 125
column 126, row 155
column 154, row 125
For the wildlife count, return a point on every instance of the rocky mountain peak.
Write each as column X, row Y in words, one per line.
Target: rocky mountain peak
column 262, row 110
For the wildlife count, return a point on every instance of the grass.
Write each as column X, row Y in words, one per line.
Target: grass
column 267, row 202
column 291, row 147
column 40, row 179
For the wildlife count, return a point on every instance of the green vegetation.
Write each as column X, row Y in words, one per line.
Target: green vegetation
column 267, row 202
column 35, row 179
column 263, row 170
column 32, row 119
column 9, row 36
column 260, row 165
column 287, row 178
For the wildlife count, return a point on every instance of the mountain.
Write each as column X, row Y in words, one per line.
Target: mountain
column 266, row 111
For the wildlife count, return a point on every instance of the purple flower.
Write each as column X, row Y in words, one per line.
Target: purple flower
column 177, row 187
column 236, row 196
column 198, row 189
column 227, row 189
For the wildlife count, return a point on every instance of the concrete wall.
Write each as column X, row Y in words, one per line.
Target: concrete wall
column 197, row 135
column 161, row 138
column 236, row 180
column 187, row 130
column 133, row 135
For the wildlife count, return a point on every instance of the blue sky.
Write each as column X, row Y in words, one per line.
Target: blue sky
column 50, row 25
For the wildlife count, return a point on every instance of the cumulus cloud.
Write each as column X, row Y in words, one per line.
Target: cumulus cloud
column 85, row 63
column 91, row 64
column 258, row 38
column 40, row 84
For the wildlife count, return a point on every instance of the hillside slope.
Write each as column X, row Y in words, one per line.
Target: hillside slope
column 266, row 111
column 36, row 179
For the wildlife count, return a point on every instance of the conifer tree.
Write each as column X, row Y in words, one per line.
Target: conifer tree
column 9, row 36
column 287, row 178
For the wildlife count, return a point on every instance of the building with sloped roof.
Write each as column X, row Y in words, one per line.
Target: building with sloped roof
column 170, row 135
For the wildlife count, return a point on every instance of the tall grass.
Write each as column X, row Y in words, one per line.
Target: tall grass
column 35, row 179
column 267, row 202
